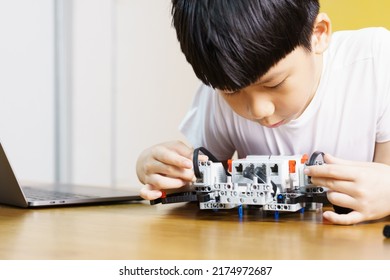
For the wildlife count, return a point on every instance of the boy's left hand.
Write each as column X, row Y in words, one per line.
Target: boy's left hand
column 363, row 187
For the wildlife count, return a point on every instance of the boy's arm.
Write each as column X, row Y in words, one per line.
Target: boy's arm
column 363, row 187
column 382, row 153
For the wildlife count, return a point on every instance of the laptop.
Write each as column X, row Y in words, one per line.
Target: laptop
column 12, row 193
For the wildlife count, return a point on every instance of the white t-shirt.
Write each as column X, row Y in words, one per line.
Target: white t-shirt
column 348, row 114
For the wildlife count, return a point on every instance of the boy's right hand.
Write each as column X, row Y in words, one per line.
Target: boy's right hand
column 164, row 166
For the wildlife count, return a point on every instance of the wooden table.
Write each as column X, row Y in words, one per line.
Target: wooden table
column 181, row 231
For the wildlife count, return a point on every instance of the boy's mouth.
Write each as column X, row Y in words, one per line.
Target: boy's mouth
column 275, row 125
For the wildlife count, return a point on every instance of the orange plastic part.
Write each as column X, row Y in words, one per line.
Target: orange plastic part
column 291, row 166
column 304, row 158
column 229, row 162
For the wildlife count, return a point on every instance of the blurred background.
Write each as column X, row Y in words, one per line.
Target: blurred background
column 357, row 14
column 86, row 85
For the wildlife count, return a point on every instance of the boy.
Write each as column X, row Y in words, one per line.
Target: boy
column 275, row 83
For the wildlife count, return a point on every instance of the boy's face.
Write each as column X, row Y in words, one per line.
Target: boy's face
column 282, row 94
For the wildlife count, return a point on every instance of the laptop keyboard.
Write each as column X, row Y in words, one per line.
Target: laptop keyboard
column 42, row 195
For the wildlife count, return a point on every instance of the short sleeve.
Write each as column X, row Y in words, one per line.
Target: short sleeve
column 381, row 51
column 205, row 124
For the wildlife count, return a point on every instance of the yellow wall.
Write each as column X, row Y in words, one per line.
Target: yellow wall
column 354, row 14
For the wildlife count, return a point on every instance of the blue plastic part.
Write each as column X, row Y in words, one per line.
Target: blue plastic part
column 276, row 215
column 240, row 211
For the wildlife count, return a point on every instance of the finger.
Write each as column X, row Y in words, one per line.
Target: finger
column 335, row 171
column 329, row 159
column 351, row 218
column 182, row 149
column 149, row 194
column 172, row 157
column 187, row 152
column 335, row 185
column 160, row 182
column 341, row 199
column 168, row 171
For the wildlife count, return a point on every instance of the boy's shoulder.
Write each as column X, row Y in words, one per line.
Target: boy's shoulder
column 364, row 35
column 349, row 46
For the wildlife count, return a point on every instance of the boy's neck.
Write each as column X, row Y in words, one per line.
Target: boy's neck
column 319, row 61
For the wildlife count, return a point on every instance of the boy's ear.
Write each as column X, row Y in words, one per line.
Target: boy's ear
column 322, row 32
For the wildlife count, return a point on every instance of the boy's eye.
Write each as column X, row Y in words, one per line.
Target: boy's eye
column 275, row 86
column 230, row 93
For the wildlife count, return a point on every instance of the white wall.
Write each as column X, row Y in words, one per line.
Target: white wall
column 155, row 84
column 128, row 87
column 132, row 86
column 27, row 87
column 92, row 91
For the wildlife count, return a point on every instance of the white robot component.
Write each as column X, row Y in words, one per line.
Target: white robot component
column 275, row 183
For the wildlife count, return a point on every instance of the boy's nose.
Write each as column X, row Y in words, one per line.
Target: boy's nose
column 260, row 108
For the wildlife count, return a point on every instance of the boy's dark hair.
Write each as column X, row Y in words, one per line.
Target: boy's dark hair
column 231, row 43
